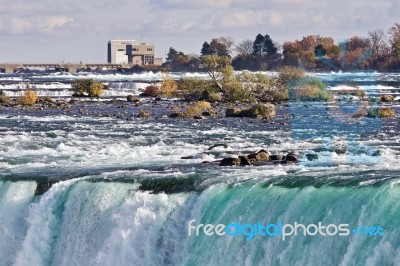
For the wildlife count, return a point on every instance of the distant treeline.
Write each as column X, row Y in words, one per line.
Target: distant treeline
column 379, row 51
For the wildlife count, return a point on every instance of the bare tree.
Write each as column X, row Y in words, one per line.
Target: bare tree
column 378, row 41
column 245, row 47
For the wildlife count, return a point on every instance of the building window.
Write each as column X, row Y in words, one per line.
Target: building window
column 135, row 49
column 149, row 49
column 149, row 59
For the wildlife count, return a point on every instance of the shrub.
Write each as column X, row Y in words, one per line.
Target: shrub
column 169, row 86
column 195, row 89
column 48, row 99
column 289, row 73
column 151, row 91
column 193, row 110
column 198, row 108
column 384, row 112
column 3, row 97
column 87, row 86
column 95, row 89
column 30, row 97
column 81, row 86
column 308, row 89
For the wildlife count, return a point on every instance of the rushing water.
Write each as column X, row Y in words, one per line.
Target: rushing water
column 92, row 190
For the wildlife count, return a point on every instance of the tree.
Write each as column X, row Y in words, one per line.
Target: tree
column 269, row 47
column 218, row 48
column 319, row 50
column 171, row 54
column 377, row 39
column 258, row 45
column 205, row 49
column 245, row 47
column 395, row 39
column 215, row 65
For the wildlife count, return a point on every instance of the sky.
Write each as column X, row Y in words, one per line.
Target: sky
column 78, row 30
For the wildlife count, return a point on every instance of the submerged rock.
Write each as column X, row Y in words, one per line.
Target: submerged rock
column 230, row 162
column 144, row 114
column 132, row 99
column 218, row 145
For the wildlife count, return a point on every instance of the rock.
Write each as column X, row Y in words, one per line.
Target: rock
column 230, row 162
column 276, row 157
column 386, row 98
column 132, row 99
column 187, row 158
column 261, row 156
column 244, row 160
column 143, row 114
column 359, row 115
column 218, row 145
column 266, row 111
column 178, row 115
column 163, row 117
column 199, row 117
column 311, row 157
column 291, row 157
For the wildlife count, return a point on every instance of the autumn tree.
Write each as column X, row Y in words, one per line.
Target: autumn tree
column 214, row 66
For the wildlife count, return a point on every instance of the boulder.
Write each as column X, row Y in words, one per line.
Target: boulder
column 266, row 111
column 230, row 162
column 261, row 156
column 244, row 160
column 291, row 157
column 276, row 157
column 386, row 98
column 132, row 99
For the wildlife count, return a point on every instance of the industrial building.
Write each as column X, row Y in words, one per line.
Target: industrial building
column 130, row 52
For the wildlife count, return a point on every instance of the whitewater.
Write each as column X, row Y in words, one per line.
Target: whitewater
column 80, row 189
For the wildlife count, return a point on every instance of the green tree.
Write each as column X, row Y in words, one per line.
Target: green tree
column 218, row 48
column 205, row 49
column 171, row 54
column 269, row 47
column 258, row 45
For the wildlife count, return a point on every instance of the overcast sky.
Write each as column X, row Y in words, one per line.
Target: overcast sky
column 72, row 31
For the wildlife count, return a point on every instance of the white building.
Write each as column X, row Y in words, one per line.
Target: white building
column 131, row 52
